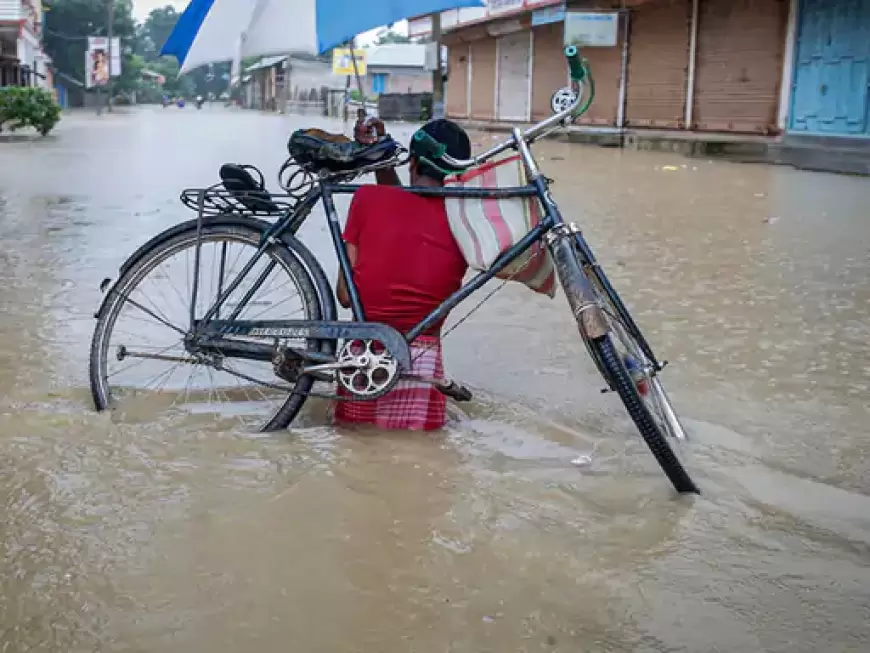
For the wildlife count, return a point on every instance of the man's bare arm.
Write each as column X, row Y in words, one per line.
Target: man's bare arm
column 386, row 176
column 341, row 287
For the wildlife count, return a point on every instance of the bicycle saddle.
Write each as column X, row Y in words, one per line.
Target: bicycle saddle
column 318, row 150
column 245, row 189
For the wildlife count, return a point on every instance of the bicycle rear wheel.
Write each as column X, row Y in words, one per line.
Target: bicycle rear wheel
column 139, row 362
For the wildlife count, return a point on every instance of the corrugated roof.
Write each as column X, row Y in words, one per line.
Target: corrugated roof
column 265, row 62
column 410, row 55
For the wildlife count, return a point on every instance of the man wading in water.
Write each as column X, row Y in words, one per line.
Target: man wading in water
column 405, row 262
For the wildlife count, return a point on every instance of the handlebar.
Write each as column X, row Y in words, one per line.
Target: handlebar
column 580, row 77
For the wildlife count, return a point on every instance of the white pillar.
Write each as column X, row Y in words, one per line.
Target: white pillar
column 693, row 58
column 470, row 78
column 788, row 57
column 531, row 74
column 623, row 73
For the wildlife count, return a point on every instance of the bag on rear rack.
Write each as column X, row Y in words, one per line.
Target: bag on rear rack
column 318, row 150
column 484, row 228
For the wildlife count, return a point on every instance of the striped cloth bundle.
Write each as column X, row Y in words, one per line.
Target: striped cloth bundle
column 484, row 228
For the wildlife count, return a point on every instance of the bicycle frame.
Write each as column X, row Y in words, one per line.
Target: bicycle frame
column 564, row 240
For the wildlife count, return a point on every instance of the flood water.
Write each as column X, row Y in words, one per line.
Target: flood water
column 151, row 535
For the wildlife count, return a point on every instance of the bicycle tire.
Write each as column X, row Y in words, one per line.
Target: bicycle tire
column 292, row 255
column 620, row 380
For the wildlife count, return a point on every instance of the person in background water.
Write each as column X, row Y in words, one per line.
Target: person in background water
column 364, row 131
column 405, row 262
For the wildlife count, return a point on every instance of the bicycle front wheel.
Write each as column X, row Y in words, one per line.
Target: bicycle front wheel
column 632, row 390
column 139, row 362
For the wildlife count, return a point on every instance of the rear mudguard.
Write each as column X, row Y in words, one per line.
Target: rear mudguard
column 294, row 246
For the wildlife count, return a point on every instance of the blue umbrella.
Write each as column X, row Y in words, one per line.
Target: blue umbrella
column 222, row 30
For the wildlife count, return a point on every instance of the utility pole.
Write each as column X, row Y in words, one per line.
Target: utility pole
column 109, row 54
column 438, row 74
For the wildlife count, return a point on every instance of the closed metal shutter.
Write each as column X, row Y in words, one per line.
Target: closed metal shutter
column 457, row 81
column 483, row 79
column 513, row 77
column 605, row 64
column 658, row 64
column 738, row 70
column 549, row 71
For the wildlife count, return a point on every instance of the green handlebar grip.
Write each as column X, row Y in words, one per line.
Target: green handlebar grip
column 572, row 54
column 428, row 145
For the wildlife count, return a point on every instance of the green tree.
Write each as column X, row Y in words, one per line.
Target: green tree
column 174, row 85
column 211, row 79
column 69, row 23
column 131, row 79
column 155, row 30
column 151, row 36
column 392, row 37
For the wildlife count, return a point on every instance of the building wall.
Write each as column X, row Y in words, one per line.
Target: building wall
column 306, row 76
column 398, row 80
column 458, row 67
column 605, row 63
column 28, row 48
column 732, row 83
column 547, row 75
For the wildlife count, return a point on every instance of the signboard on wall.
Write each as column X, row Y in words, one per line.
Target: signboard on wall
column 553, row 14
column 342, row 64
column 499, row 6
column 97, row 64
column 591, row 28
column 420, row 26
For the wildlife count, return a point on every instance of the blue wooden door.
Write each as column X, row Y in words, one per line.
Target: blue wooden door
column 379, row 83
column 832, row 68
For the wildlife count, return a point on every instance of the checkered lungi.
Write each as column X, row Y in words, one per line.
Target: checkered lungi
column 411, row 404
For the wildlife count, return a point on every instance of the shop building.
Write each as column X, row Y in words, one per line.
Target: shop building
column 753, row 67
column 23, row 62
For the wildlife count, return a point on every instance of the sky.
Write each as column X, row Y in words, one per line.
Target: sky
column 141, row 9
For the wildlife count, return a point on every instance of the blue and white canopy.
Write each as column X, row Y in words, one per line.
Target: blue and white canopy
column 221, row 30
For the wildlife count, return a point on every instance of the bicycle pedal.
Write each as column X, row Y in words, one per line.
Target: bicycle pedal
column 455, row 391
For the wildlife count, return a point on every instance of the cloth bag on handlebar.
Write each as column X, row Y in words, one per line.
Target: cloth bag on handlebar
column 485, row 227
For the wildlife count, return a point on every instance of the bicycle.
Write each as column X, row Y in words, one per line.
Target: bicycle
column 224, row 330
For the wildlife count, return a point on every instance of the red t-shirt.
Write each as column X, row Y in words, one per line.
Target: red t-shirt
column 408, row 262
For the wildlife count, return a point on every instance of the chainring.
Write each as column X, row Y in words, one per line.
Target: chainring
column 367, row 370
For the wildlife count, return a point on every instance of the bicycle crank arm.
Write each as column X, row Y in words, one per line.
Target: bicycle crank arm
column 329, row 367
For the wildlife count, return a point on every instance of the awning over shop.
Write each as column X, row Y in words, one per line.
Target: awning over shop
column 265, row 62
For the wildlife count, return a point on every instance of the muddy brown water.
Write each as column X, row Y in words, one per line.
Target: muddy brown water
column 159, row 535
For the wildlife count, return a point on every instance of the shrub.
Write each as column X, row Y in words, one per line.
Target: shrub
column 26, row 106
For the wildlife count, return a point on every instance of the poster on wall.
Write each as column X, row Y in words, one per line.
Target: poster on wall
column 591, row 29
column 97, row 64
column 342, row 64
